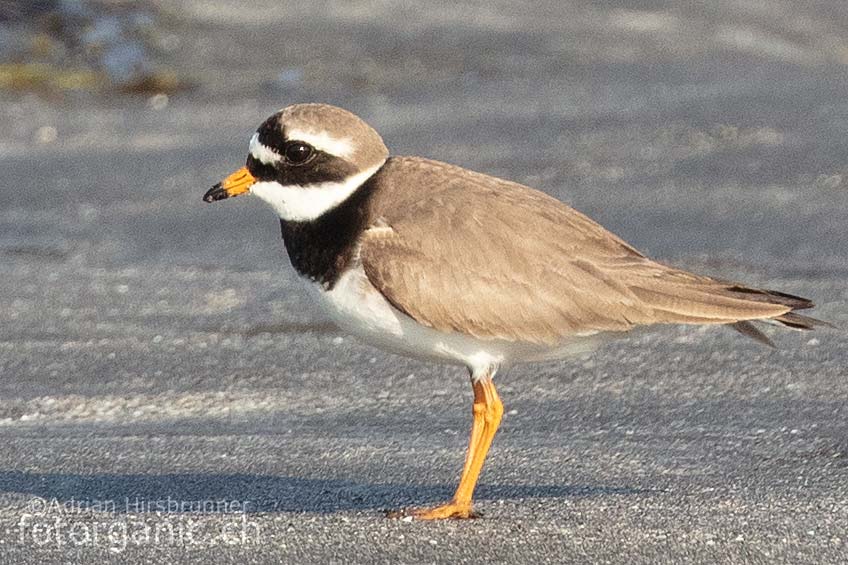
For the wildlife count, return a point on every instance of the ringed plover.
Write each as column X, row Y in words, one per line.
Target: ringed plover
column 434, row 261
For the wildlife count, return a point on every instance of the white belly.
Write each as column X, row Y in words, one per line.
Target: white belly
column 360, row 309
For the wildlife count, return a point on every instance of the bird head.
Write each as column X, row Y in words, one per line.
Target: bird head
column 305, row 160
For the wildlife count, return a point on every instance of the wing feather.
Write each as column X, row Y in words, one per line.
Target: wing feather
column 494, row 259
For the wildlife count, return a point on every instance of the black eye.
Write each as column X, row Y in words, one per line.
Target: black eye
column 298, row 153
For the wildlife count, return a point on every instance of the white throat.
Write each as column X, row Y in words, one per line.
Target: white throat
column 302, row 203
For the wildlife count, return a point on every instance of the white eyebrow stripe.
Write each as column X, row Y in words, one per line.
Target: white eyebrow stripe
column 261, row 152
column 322, row 141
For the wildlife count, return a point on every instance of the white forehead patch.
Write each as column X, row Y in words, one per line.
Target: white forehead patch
column 323, row 141
column 302, row 203
column 262, row 153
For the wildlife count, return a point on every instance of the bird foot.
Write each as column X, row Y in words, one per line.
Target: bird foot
column 450, row 510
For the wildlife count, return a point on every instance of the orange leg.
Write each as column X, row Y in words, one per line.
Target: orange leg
column 487, row 412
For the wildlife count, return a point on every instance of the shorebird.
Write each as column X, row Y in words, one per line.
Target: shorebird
column 437, row 262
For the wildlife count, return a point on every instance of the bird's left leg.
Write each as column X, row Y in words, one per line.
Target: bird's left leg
column 487, row 411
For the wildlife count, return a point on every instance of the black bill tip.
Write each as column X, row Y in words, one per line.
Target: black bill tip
column 215, row 193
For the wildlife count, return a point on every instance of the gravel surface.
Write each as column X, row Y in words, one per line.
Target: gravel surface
column 168, row 394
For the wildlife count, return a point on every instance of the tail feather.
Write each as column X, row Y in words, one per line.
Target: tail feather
column 789, row 319
column 799, row 322
column 771, row 297
column 750, row 330
column 675, row 296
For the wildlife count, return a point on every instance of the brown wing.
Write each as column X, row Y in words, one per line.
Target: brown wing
column 494, row 259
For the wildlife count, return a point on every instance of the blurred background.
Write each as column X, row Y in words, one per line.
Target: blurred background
column 683, row 129
column 708, row 134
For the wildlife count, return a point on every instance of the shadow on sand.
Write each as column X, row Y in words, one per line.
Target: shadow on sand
column 192, row 492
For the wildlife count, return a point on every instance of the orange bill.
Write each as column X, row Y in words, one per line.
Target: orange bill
column 237, row 183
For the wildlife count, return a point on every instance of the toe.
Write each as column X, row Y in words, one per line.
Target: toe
column 450, row 510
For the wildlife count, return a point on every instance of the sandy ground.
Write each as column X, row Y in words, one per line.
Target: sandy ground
column 157, row 356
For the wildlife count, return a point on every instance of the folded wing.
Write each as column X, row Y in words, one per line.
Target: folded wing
column 494, row 259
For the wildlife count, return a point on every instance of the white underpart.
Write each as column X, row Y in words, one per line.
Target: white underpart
column 360, row 309
column 322, row 141
column 301, row 203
